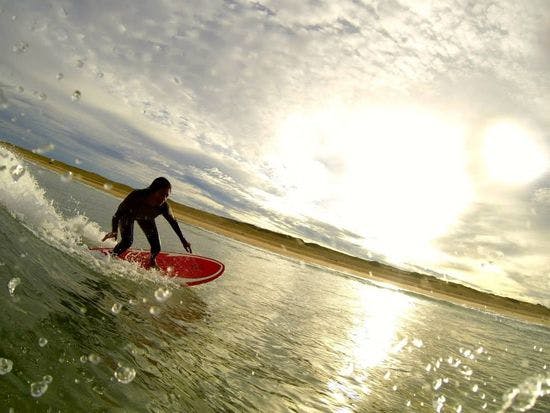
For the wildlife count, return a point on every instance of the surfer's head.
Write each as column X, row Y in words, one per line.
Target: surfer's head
column 159, row 190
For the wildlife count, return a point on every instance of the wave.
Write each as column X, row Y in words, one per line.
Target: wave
column 27, row 202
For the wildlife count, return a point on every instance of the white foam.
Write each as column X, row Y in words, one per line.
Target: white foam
column 26, row 201
column 525, row 396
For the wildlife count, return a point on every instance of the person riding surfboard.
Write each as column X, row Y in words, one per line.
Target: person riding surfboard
column 143, row 206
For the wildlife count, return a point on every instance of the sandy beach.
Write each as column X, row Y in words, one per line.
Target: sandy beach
column 417, row 283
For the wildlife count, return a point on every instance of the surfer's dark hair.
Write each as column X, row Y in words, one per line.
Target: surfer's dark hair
column 160, row 183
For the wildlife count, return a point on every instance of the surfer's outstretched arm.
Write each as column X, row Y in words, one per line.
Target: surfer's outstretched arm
column 167, row 213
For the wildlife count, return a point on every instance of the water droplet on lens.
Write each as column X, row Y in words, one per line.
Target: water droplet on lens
column 154, row 310
column 42, row 341
column 5, row 366
column 47, row 379
column 76, row 95
column 94, row 358
column 125, row 374
column 17, row 171
column 80, row 63
column 42, row 96
column 61, row 34
column 12, row 285
column 20, row 47
column 107, row 186
column 20, row 89
column 67, row 177
column 83, row 359
column 99, row 75
column 59, row 76
column 115, row 309
column 38, row 388
column 162, row 294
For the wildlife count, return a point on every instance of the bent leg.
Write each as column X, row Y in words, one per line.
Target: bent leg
column 150, row 230
column 126, row 228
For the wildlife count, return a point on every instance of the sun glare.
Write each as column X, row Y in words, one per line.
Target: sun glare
column 373, row 336
column 511, row 154
column 395, row 176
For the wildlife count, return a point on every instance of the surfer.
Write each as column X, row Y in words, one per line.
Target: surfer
column 143, row 206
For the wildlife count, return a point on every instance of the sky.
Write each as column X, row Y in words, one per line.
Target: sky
column 415, row 133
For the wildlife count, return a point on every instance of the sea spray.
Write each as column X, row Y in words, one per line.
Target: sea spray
column 26, row 201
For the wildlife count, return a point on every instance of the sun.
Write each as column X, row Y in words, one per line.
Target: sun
column 396, row 176
column 512, row 154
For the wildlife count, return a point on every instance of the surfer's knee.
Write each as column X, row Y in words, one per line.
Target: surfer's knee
column 123, row 245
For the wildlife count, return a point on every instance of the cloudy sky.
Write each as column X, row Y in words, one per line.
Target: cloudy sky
column 414, row 132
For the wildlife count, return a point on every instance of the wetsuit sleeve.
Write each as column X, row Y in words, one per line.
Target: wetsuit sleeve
column 167, row 213
column 123, row 209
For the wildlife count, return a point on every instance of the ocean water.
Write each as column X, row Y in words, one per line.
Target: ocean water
column 81, row 332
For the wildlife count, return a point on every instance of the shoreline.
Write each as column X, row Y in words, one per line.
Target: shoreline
column 412, row 282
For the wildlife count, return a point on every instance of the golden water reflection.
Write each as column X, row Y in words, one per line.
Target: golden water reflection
column 373, row 336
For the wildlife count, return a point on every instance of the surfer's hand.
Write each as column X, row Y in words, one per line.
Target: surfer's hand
column 109, row 235
column 187, row 246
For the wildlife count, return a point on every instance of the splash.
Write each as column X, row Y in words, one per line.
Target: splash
column 524, row 397
column 26, row 201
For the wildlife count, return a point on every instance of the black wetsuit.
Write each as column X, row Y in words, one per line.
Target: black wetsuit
column 135, row 208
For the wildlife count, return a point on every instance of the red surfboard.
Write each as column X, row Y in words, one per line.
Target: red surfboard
column 190, row 269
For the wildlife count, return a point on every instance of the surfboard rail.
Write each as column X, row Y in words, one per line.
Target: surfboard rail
column 190, row 269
